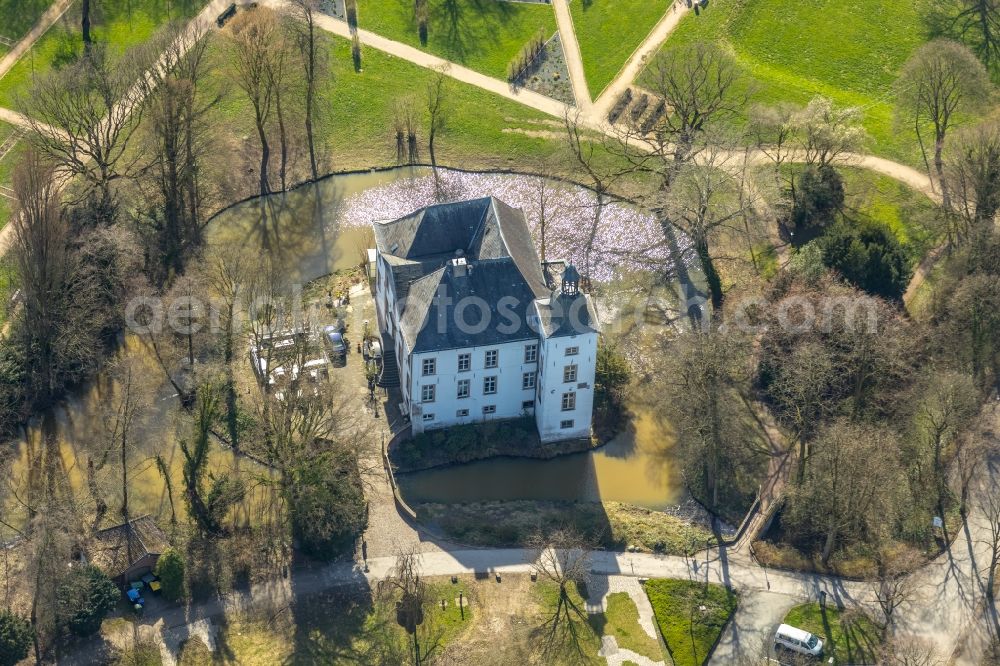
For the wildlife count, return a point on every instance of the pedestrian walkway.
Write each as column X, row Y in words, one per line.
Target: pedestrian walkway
column 50, row 16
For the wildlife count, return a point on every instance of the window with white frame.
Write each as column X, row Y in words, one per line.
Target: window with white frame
column 427, row 392
column 528, row 404
column 462, row 413
column 528, row 381
column 463, row 388
column 492, row 355
column 569, row 373
column 429, row 366
column 531, row 353
column 569, row 401
column 572, row 351
column 428, row 417
column 566, row 424
column 464, row 362
column 489, row 385
column 489, row 409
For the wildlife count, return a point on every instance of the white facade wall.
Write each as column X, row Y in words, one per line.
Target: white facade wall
column 549, row 414
column 510, row 400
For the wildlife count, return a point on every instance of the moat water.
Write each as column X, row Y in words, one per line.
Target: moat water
column 637, row 467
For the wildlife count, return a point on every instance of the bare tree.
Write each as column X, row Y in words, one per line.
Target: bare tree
column 84, row 115
column 253, row 36
column 314, row 69
column 910, row 650
column 563, row 557
column 177, row 137
column 699, row 85
column 850, row 488
column 60, row 322
column 988, row 503
column 973, row 22
column 972, row 167
column 404, row 587
column 437, row 110
column 893, row 587
column 703, row 375
column 940, row 82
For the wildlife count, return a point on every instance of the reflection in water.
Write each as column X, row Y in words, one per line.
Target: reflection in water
column 77, row 431
column 635, row 468
column 284, row 224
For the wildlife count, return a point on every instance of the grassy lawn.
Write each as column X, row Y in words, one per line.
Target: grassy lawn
column 689, row 632
column 357, row 111
column 907, row 213
column 484, row 36
column 18, row 18
column 788, row 48
column 621, row 620
column 119, row 23
column 6, row 170
column 609, row 31
column 850, row 638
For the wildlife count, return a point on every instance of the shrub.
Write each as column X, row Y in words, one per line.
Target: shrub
column 85, row 597
column 16, row 636
column 867, row 255
column 819, row 196
column 170, row 571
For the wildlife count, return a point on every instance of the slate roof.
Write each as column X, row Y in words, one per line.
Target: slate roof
column 117, row 548
column 503, row 270
column 564, row 315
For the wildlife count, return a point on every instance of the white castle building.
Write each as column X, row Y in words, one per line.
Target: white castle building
column 481, row 329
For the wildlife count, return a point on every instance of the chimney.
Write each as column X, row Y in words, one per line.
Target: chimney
column 459, row 266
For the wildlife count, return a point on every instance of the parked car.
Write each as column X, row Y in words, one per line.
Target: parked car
column 336, row 345
column 797, row 640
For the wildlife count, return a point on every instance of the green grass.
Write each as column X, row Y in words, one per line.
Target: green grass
column 690, row 633
column 19, row 16
column 484, row 36
column 118, row 23
column 621, row 620
column 907, row 213
column 848, row 638
column 7, row 169
column 790, row 50
column 609, row 31
column 357, row 112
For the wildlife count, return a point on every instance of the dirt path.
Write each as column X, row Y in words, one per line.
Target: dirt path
column 633, row 67
column 50, row 16
column 571, row 50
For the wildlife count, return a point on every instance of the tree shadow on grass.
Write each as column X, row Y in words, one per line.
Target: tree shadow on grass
column 469, row 24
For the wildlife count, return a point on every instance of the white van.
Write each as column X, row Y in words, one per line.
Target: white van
column 797, row 640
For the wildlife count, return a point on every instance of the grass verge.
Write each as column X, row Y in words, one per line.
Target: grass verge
column 484, row 36
column 787, row 48
column 621, row 620
column 611, row 525
column 118, row 23
column 690, row 616
column 609, row 31
column 850, row 637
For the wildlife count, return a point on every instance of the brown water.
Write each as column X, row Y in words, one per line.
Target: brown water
column 637, row 468
column 79, row 431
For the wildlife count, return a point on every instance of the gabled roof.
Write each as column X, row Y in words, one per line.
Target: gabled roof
column 115, row 549
column 494, row 240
